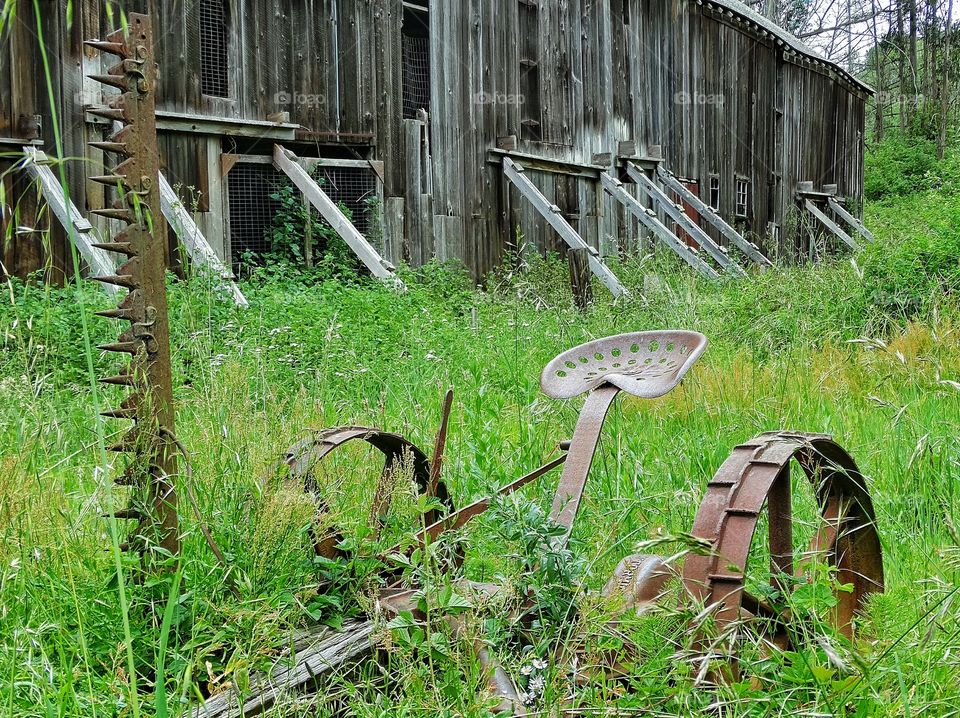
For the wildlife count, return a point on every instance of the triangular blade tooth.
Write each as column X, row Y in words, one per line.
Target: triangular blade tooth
column 117, row 380
column 114, row 48
column 117, row 37
column 127, row 444
column 127, row 513
column 127, row 168
column 121, row 82
column 123, row 135
column 123, row 347
column 125, row 314
column 119, row 148
column 108, row 180
column 112, row 213
column 129, row 267
column 119, row 413
column 121, row 280
column 114, row 114
column 119, row 247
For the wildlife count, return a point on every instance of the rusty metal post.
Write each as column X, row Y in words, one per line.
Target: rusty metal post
column 143, row 241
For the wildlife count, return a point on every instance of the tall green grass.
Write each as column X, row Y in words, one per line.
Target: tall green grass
column 794, row 348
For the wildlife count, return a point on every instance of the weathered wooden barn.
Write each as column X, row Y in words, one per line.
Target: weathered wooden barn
column 415, row 110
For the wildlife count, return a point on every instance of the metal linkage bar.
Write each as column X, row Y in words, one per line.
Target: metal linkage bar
column 708, row 213
column 81, row 232
column 649, row 220
column 551, row 212
column 195, row 243
column 288, row 163
column 676, row 213
column 829, row 224
column 842, row 212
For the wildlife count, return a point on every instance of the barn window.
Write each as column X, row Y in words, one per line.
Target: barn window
column 213, row 48
column 415, row 44
column 743, row 196
column 250, row 186
column 529, row 15
column 714, row 197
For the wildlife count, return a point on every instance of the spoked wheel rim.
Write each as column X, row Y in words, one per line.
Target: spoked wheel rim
column 756, row 478
column 398, row 451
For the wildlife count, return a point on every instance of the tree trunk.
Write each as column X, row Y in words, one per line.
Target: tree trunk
column 901, row 72
column 912, row 18
column 879, row 70
column 945, row 85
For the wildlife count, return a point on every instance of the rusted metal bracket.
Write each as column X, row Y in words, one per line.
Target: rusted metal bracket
column 143, row 241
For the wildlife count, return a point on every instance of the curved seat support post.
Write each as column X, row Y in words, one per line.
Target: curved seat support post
column 583, row 447
column 645, row 364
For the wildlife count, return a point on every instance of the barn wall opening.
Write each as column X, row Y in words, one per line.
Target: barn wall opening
column 529, row 30
column 214, row 21
column 743, row 197
column 415, row 46
column 257, row 193
column 714, row 198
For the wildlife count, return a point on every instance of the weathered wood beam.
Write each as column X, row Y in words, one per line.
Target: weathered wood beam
column 707, row 212
column 307, row 660
column 546, row 164
column 82, row 234
column 829, row 224
column 288, row 163
column 551, row 212
column 200, row 251
column 675, row 212
column 207, row 125
column 842, row 212
column 18, row 143
column 615, row 188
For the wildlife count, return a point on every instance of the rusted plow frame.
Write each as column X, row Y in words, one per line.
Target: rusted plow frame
column 142, row 240
column 754, row 479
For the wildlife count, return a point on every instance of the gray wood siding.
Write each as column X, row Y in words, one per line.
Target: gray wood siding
column 715, row 95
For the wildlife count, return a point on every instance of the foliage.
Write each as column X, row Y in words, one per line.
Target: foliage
column 898, row 165
column 289, row 256
column 863, row 347
column 908, row 275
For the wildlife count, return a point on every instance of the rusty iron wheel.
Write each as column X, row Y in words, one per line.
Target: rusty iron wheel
column 399, row 454
column 756, row 478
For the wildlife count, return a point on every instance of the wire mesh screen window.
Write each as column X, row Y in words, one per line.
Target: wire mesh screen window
column 252, row 210
column 416, row 75
column 213, row 48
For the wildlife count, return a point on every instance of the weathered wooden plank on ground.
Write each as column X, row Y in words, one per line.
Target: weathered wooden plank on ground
column 616, row 189
column 195, row 243
column 551, row 213
column 842, row 212
column 287, row 162
column 309, row 658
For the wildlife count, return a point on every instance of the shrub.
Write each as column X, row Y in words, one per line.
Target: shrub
column 918, row 261
column 898, row 165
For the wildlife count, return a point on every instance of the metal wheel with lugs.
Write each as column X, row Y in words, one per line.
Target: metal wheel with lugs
column 754, row 483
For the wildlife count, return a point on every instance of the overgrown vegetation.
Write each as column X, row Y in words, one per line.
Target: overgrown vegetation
column 866, row 348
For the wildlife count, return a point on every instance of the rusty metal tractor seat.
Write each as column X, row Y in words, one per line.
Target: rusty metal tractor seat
column 646, row 364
